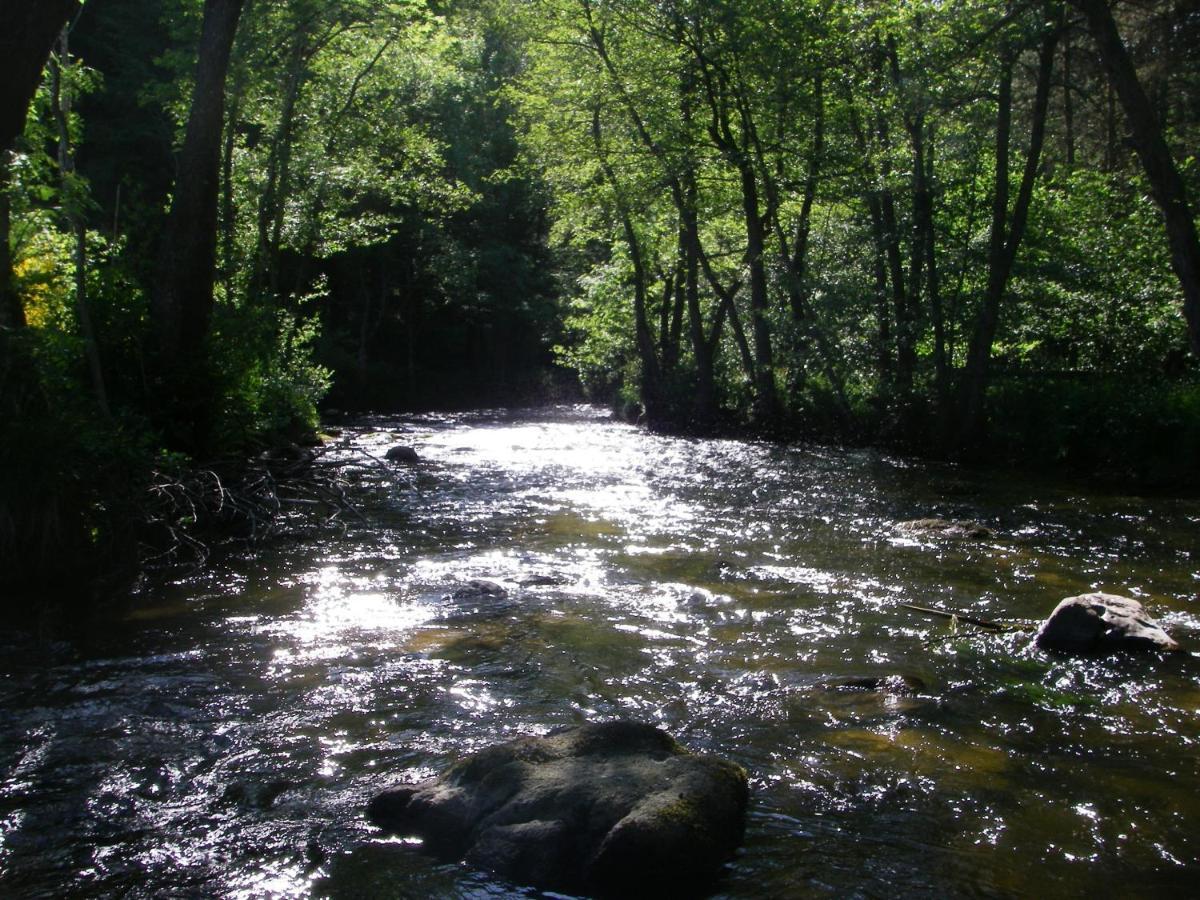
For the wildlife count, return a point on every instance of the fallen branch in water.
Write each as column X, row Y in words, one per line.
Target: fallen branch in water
column 957, row 617
column 251, row 502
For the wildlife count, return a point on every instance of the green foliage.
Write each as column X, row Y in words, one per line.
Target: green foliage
column 598, row 330
column 424, row 203
column 1140, row 428
column 622, row 101
column 270, row 385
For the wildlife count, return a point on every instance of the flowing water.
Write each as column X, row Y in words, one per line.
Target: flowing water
column 746, row 597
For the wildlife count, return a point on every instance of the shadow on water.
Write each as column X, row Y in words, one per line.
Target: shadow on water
column 548, row 567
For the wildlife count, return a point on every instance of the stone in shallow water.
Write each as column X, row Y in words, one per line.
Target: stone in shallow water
column 1098, row 623
column 615, row 809
column 946, row 528
column 402, row 454
column 476, row 599
column 898, row 684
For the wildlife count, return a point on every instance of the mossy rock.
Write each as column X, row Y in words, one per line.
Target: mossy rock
column 616, row 809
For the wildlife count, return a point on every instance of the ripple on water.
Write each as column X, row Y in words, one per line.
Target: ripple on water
column 748, row 597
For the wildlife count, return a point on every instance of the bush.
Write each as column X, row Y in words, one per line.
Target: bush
column 1146, row 429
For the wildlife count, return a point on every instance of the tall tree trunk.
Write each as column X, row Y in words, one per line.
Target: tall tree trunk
column 1168, row 188
column 937, row 315
column 1006, row 234
column 273, row 202
column 906, row 293
column 797, row 258
column 883, row 316
column 181, row 306
column 704, row 404
column 30, row 29
column 651, row 385
column 879, row 268
column 906, row 356
column 74, row 217
column 228, row 205
column 12, row 312
column 1068, row 100
column 766, row 405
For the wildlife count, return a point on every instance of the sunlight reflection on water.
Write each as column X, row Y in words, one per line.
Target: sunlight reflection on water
column 542, row 568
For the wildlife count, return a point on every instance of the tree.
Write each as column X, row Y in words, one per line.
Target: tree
column 182, row 303
column 1008, row 226
column 1169, row 190
column 30, row 30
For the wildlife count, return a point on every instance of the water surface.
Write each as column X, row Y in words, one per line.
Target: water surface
column 746, row 597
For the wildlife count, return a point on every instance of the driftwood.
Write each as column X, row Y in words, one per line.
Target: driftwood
column 187, row 509
column 957, row 617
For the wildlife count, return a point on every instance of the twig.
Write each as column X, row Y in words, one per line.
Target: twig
column 944, row 614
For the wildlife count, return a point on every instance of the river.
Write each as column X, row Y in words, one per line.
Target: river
column 747, row 597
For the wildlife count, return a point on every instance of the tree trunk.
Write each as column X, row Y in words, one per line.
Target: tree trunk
column 228, row 205
column 651, row 383
column 30, row 29
column 871, row 196
column 12, row 313
column 937, row 315
column 905, row 342
column 1068, row 101
column 1168, row 188
column 74, row 217
column 704, row 405
column 273, row 202
column 883, row 317
column 1006, row 235
column 766, row 405
column 181, row 307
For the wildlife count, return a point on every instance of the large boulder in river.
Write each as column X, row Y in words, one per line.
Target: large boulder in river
column 1099, row 623
column 616, row 809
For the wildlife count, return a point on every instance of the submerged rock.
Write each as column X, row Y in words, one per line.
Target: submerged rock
column 1098, row 623
column 255, row 793
column 478, row 589
column 899, row 684
column 477, row 600
column 946, row 528
column 544, row 581
column 402, row 454
column 612, row 809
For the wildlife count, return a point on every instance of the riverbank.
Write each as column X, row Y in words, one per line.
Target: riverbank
column 1140, row 434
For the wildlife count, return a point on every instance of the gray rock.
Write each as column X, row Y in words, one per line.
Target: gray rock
column 402, row 454
column 478, row 589
column 946, row 528
column 1099, row 623
column 611, row 809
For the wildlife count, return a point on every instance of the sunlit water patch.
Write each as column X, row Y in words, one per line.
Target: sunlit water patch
column 542, row 568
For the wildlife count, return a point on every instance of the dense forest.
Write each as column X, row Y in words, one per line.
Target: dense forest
column 962, row 229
